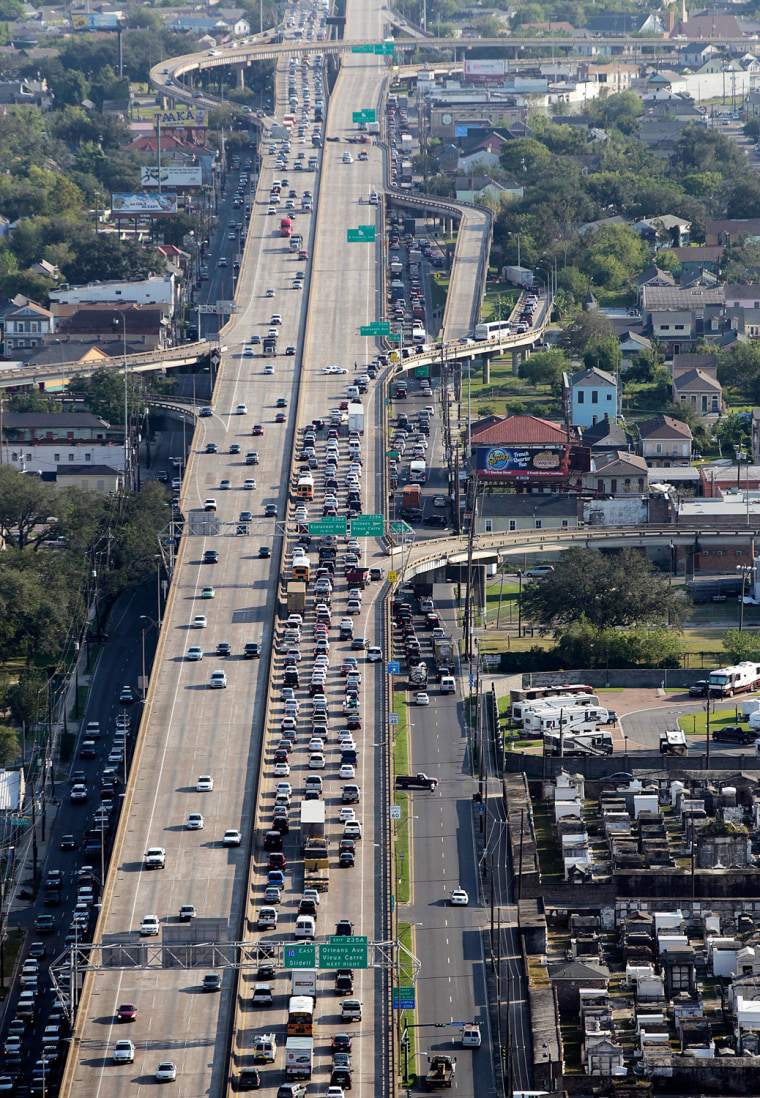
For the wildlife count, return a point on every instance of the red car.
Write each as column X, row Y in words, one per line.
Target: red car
column 127, row 1012
column 257, row 429
column 279, row 418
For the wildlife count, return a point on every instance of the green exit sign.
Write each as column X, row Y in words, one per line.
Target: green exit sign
column 365, row 234
column 330, row 525
column 367, row 526
column 344, row 952
column 367, row 115
column 376, row 328
column 395, row 337
column 385, row 47
column 369, row 48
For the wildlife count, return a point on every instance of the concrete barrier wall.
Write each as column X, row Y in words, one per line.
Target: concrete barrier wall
column 601, row 677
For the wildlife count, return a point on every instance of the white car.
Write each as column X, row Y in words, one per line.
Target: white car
column 218, row 680
column 346, row 771
column 123, row 1052
column 149, row 926
column 346, row 814
column 281, row 770
column 241, row 410
column 347, row 158
column 195, row 653
column 200, row 621
column 195, row 822
column 249, row 483
column 421, row 698
column 439, row 501
column 231, row 837
column 166, row 1072
column 459, row 898
column 205, row 783
column 316, row 761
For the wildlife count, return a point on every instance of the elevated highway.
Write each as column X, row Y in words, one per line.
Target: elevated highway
column 538, row 546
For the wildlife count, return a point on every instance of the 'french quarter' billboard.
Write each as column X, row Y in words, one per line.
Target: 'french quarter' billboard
column 523, row 462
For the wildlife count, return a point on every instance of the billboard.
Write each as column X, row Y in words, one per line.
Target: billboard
column 191, row 176
column 84, row 21
column 479, row 68
column 183, row 117
column 523, row 462
column 143, row 205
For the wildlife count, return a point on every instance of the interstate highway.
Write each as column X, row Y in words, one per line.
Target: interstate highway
column 191, row 729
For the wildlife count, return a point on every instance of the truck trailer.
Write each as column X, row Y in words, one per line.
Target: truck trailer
column 356, row 418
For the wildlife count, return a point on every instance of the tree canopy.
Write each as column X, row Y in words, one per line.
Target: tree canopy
column 606, row 590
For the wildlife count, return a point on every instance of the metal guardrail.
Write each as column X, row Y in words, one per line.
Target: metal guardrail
column 57, row 371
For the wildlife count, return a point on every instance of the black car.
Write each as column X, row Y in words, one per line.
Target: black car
column 344, row 928
column 435, row 520
column 346, row 859
column 252, row 650
column 698, row 689
column 210, row 447
column 212, row 982
column 271, row 510
column 358, row 644
column 210, row 556
column 68, row 842
column 265, row 552
column 223, row 648
column 341, row 1042
column 234, row 448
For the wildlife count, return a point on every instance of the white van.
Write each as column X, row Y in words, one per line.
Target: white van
column 352, row 392
column 448, row 685
column 305, row 927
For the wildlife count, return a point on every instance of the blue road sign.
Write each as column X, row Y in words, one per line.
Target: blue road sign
column 394, row 667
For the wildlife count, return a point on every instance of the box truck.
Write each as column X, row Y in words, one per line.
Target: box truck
column 299, row 1056
column 356, row 418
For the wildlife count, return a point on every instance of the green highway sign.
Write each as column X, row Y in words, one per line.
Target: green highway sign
column 365, row 234
column 393, row 454
column 303, row 955
column 369, row 48
column 367, row 115
column 385, row 47
column 401, row 528
column 344, row 952
column 395, row 337
column 376, row 328
column 367, row 526
column 330, row 525
column 20, row 821
column 422, row 371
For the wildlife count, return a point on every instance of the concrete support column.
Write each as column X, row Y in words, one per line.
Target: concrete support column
column 486, row 370
column 241, row 76
column 515, row 363
column 524, row 354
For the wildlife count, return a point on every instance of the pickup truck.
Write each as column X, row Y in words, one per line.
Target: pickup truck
column 441, row 1071
column 155, row 857
column 416, row 781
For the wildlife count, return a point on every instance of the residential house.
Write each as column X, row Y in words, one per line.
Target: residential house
column 661, row 136
column 694, row 260
column 652, row 276
column 744, row 297
column 674, row 230
column 158, row 290
column 470, row 188
column 620, row 474
column 632, row 344
column 42, row 441
column 501, row 513
column 89, row 478
column 708, row 27
column 731, row 231
column 605, row 438
column 131, row 329
column 674, row 328
column 698, row 390
column 590, row 395
column 697, row 53
column 692, row 297
column 663, row 440
column 25, row 327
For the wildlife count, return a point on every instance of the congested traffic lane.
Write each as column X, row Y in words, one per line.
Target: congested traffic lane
column 194, row 730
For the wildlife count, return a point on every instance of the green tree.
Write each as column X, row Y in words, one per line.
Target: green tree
column 752, row 128
column 9, row 745
column 605, row 589
column 26, row 504
column 620, row 112
column 103, row 394
column 613, row 255
column 26, row 697
column 584, row 331
column 739, row 646
column 524, row 156
column 71, row 88
column 544, row 368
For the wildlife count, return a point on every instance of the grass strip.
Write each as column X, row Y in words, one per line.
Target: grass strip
column 406, row 977
column 401, row 869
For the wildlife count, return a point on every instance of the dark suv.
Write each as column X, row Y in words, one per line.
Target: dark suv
column 252, row 650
